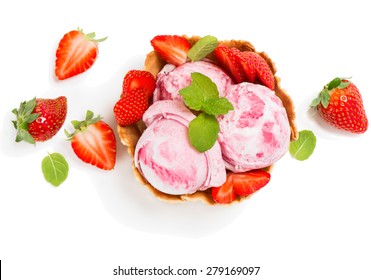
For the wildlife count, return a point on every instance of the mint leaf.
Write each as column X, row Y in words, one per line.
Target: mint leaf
column 216, row 107
column 203, row 132
column 55, row 169
column 303, row 147
column 202, row 48
column 204, row 85
column 192, row 98
column 201, row 89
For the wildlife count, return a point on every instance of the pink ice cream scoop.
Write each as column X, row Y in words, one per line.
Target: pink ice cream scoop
column 166, row 158
column 257, row 132
column 170, row 79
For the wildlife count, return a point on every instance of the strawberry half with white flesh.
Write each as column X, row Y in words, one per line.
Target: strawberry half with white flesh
column 94, row 142
column 240, row 184
column 171, row 48
column 76, row 53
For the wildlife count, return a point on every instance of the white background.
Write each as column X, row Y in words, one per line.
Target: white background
column 311, row 222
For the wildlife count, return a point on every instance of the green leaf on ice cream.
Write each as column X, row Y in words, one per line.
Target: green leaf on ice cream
column 218, row 106
column 203, row 96
column 203, row 132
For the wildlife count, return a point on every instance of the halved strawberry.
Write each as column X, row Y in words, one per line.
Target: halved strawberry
column 94, row 142
column 76, row 53
column 172, row 48
column 240, row 184
column 139, row 79
column 131, row 107
column 225, row 193
column 229, row 61
column 249, row 182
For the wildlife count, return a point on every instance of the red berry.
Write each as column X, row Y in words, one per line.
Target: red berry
column 257, row 69
column 139, row 79
column 171, row 48
column 340, row 104
column 94, row 142
column 229, row 61
column 131, row 107
column 40, row 119
column 249, row 182
column 240, row 184
column 76, row 53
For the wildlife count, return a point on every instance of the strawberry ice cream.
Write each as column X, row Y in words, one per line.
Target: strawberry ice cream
column 256, row 133
column 165, row 157
column 170, row 80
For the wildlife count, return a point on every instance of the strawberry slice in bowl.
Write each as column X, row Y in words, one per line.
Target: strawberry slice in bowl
column 228, row 59
column 172, row 48
column 240, row 185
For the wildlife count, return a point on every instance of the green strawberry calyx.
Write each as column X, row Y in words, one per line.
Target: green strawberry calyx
column 24, row 116
column 323, row 97
column 81, row 126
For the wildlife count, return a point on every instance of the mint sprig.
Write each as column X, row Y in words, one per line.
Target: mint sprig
column 202, row 48
column 203, row 96
column 323, row 97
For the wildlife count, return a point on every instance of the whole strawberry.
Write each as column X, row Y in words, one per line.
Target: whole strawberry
column 139, row 79
column 131, row 107
column 341, row 105
column 39, row 119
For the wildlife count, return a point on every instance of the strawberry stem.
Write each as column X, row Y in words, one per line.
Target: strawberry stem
column 80, row 126
column 24, row 116
column 323, row 97
column 91, row 36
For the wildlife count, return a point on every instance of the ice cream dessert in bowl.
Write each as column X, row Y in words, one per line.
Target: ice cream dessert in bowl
column 205, row 119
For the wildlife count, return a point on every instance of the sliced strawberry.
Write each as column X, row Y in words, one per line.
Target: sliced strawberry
column 172, row 48
column 263, row 71
column 249, row 182
column 131, row 107
column 76, row 53
column 94, row 142
column 240, row 184
column 229, row 61
column 225, row 193
column 135, row 79
column 248, row 63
